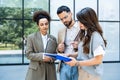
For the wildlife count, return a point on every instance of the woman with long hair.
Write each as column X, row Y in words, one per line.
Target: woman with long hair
column 91, row 47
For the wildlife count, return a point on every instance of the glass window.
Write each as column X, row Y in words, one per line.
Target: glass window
column 80, row 4
column 15, row 30
column 16, row 24
column 29, row 27
column 109, row 12
column 55, row 26
column 10, row 41
column 33, row 5
column 55, row 4
column 111, row 33
column 11, row 10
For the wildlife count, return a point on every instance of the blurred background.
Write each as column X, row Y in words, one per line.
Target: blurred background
column 16, row 24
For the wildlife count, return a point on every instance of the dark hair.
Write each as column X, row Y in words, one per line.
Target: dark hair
column 63, row 8
column 41, row 14
column 89, row 19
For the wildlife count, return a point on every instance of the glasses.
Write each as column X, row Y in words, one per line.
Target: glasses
column 65, row 17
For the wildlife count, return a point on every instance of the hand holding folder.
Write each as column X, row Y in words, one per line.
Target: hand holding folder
column 58, row 56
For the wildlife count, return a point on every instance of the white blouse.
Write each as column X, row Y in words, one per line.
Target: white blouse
column 99, row 51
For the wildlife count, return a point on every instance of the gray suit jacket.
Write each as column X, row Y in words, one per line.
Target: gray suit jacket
column 39, row 70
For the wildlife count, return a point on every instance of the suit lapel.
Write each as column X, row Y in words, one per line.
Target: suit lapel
column 39, row 42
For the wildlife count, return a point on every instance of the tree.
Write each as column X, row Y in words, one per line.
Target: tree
column 12, row 30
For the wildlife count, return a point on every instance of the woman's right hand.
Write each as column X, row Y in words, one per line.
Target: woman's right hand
column 72, row 62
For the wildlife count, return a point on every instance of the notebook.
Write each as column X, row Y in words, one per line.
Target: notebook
column 59, row 57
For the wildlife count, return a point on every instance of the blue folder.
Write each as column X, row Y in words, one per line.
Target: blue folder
column 58, row 56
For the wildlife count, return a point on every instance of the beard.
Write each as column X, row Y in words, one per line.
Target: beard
column 68, row 24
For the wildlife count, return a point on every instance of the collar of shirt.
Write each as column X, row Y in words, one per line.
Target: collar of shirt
column 74, row 26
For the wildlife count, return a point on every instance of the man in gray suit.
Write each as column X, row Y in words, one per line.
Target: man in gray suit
column 41, row 67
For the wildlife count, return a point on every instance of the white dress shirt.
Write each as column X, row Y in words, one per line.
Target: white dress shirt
column 44, row 39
